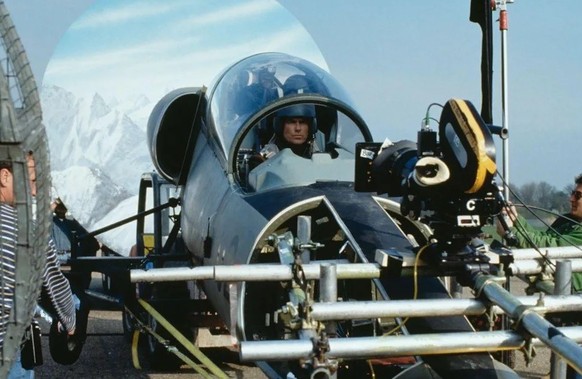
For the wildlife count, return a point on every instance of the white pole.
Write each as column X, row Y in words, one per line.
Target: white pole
column 503, row 26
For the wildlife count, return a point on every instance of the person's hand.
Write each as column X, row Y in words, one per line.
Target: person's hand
column 62, row 329
column 256, row 159
column 509, row 215
column 511, row 212
column 269, row 151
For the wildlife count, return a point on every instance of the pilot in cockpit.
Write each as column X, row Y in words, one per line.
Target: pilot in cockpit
column 294, row 128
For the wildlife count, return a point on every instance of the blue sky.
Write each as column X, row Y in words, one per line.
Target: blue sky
column 120, row 49
column 394, row 57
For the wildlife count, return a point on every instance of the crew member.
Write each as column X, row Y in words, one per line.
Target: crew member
column 565, row 231
column 55, row 285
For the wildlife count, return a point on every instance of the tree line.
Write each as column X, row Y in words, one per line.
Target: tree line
column 544, row 199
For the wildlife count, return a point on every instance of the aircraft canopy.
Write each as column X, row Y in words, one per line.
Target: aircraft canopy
column 248, row 87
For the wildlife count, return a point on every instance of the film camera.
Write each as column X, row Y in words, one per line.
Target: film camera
column 445, row 179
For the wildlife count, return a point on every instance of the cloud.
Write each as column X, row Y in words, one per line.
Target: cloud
column 168, row 63
column 137, row 59
column 91, row 63
column 123, row 14
column 236, row 13
column 140, row 10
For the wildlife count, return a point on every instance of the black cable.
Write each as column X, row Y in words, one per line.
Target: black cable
column 426, row 118
column 531, row 207
column 520, row 229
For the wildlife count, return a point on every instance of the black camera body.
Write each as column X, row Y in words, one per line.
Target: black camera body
column 445, row 179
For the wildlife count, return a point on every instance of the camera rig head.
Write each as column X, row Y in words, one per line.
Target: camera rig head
column 445, row 180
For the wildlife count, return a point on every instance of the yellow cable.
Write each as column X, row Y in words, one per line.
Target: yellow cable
column 135, row 345
column 415, row 290
column 134, row 352
column 184, row 341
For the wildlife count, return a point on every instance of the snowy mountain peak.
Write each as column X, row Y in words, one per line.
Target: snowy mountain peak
column 141, row 101
column 99, row 107
column 89, row 137
column 92, row 201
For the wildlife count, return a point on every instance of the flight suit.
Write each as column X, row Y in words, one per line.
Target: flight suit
column 563, row 232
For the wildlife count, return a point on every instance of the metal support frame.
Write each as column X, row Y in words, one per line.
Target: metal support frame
column 526, row 311
column 526, row 261
column 528, row 319
column 562, row 341
column 562, row 286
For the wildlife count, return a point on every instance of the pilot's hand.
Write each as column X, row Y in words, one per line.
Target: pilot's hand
column 256, row 159
column 269, row 150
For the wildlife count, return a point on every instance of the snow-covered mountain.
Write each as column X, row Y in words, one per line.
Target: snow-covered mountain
column 121, row 238
column 98, row 153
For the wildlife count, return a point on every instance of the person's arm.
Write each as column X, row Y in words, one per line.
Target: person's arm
column 525, row 233
column 58, row 289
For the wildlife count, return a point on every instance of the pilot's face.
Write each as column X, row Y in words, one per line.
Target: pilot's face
column 296, row 130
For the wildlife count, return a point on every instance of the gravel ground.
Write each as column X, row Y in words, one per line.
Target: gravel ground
column 107, row 354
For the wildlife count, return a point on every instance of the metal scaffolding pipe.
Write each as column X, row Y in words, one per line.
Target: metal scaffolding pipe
column 395, row 346
column 278, row 272
column 532, row 267
column 328, row 283
column 252, row 272
column 535, row 324
column 172, row 274
column 563, row 286
column 565, row 252
column 304, row 236
column 526, row 261
column 328, row 292
column 354, row 310
column 563, row 278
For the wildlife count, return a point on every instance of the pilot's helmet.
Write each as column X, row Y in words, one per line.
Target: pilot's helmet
column 297, row 110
